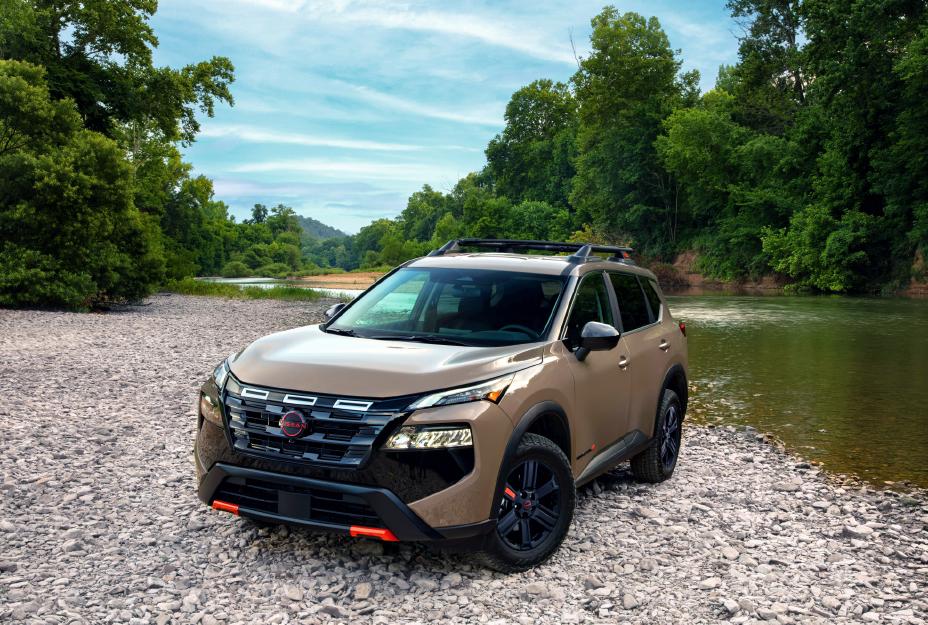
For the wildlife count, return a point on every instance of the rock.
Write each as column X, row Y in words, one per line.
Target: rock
column 731, row 606
column 7, row 567
column 629, row 602
column 591, row 582
column 72, row 545
column 710, row 582
column 858, row 531
column 363, row 590
column 536, row 589
column 766, row 614
column 787, row 487
column 292, row 592
column 334, row 610
column 6, row 526
column 730, row 553
column 832, row 603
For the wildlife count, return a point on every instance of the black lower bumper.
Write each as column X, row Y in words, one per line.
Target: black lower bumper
column 322, row 505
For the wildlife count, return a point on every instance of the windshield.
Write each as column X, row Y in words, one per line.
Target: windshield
column 455, row 306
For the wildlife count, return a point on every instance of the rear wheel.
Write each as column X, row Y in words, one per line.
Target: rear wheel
column 657, row 462
column 535, row 508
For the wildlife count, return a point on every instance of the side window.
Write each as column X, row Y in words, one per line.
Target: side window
column 590, row 304
column 650, row 291
column 632, row 305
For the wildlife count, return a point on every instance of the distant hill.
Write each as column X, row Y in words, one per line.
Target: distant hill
column 317, row 229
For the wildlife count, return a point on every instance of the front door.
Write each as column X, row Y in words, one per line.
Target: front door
column 600, row 386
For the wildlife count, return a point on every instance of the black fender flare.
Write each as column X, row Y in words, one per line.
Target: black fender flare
column 674, row 371
column 530, row 417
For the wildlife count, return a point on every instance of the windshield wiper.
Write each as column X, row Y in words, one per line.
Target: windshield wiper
column 341, row 332
column 427, row 338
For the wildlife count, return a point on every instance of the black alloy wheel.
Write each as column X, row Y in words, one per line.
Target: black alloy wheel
column 670, row 438
column 534, row 507
column 530, row 506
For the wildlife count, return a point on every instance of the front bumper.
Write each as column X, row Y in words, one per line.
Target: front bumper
column 427, row 496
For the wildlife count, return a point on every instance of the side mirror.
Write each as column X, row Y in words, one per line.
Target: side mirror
column 334, row 310
column 596, row 337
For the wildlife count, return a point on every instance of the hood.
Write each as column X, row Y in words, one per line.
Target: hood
column 308, row 359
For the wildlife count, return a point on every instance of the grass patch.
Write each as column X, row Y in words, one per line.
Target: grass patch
column 189, row 286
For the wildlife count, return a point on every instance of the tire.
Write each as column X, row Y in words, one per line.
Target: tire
column 536, row 505
column 657, row 462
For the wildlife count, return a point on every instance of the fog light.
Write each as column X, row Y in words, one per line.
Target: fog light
column 209, row 410
column 431, row 437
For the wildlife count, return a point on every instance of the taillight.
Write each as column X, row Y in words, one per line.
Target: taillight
column 682, row 328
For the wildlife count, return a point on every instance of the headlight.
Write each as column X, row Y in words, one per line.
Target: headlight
column 490, row 391
column 221, row 372
column 430, row 437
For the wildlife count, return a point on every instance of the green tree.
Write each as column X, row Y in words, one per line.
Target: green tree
column 625, row 89
column 71, row 235
column 98, row 53
column 532, row 159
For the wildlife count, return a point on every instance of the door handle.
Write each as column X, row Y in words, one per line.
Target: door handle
column 665, row 345
column 623, row 362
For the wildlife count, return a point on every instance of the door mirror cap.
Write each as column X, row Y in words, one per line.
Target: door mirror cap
column 334, row 310
column 597, row 337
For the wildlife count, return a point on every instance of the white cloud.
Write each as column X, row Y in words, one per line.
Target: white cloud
column 497, row 29
column 259, row 135
column 367, row 170
column 371, row 96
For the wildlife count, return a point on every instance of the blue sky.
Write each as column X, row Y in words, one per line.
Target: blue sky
column 343, row 108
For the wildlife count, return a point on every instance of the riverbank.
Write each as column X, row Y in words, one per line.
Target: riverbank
column 100, row 523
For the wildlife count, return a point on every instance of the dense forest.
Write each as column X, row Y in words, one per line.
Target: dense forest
column 808, row 159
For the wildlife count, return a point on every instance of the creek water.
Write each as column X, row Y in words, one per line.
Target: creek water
column 840, row 380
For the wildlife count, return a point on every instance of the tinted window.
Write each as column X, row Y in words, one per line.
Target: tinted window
column 650, row 291
column 590, row 304
column 632, row 305
column 475, row 307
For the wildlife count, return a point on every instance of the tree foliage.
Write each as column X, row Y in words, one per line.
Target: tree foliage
column 808, row 159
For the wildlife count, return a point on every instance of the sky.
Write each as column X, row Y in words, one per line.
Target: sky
column 345, row 107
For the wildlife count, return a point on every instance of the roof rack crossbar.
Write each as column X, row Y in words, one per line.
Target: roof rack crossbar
column 581, row 252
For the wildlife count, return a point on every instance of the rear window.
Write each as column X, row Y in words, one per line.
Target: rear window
column 632, row 305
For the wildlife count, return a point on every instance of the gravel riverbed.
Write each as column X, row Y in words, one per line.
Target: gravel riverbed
column 99, row 521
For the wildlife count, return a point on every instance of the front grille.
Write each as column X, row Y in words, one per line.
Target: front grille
column 341, row 431
column 317, row 505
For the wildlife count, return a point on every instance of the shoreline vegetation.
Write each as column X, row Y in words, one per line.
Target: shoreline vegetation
column 192, row 286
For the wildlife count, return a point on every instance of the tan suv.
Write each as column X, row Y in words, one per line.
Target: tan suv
column 461, row 399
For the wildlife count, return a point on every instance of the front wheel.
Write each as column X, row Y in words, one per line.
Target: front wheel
column 657, row 462
column 535, row 508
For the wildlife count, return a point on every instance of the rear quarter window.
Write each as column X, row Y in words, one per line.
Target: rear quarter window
column 654, row 299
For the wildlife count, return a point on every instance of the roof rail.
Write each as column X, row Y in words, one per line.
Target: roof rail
column 581, row 251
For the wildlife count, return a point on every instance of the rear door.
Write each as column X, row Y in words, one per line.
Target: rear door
column 601, row 388
column 645, row 346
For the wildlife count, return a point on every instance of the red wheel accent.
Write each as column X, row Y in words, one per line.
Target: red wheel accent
column 510, row 494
